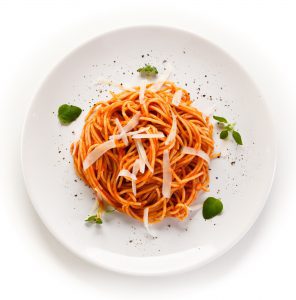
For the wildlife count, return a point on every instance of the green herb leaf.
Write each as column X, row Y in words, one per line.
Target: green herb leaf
column 98, row 221
column 212, row 207
column 220, row 119
column 91, row 219
column 68, row 113
column 223, row 134
column 94, row 219
column 237, row 137
column 109, row 210
column 148, row 70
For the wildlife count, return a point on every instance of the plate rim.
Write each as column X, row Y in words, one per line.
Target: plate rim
column 196, row 264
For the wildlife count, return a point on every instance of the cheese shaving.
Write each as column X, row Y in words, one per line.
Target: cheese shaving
column 127, row 173
column 200, row 153
column 167, row 175
column 110, row 82
column 142, row 156
column 97, row 152
column 146, row 220
column 148, row 136
column 133, row 122
column 162, row 78
column 142, row 91
column 122, row 132
column 177, row 97
column 173, row 131
column 130, row 133
column 195, row 207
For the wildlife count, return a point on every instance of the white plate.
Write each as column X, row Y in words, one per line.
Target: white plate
column 121, row 243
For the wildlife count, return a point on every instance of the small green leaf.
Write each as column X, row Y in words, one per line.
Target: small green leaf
column 237, row 137
column 68, row 113
column 98, row 221
column 109, row 210
column 223, row 134
column 220, row 119
column 148, row 70
column 94, row 219
column 91, row 219
column 212, row 207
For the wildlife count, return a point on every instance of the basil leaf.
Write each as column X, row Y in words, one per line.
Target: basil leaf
column 91, row 219
column 220, row 119
column 98, row 221
column 148, row 70
column 68, row 113
column 237, row 137
column 94, row 219
column 211, row 207
column 223, row 134
column 109, row 211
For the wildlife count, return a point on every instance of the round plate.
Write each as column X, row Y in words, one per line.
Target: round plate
column 242, row 177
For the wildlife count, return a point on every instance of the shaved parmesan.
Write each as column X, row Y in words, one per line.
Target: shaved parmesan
column 146, row 220
column 142, row 156
column 210, row 110
column 205, row 109
column 127, row 173
column 142, row 91
column 110, row 82
column 133, row 122
column 130, row 133
column 149, row 136
column 167, row 175
column 122, row 132
column 177, row 97
column 162, row 78
column 135, row 171
column 200, row 153
column 195, row 207
column 97, row 152
column 173, row 131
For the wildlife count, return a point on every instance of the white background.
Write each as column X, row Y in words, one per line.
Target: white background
column 35, row 35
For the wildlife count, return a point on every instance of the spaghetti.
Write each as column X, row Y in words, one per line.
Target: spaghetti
column 145, row 164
